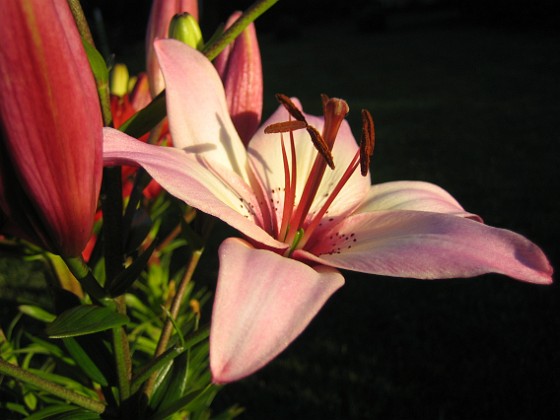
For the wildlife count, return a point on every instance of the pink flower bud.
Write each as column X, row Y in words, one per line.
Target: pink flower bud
column 240, row 68
column 50, row 163
column 158, row 26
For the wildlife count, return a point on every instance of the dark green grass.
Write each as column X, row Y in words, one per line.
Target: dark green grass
column 474, row 110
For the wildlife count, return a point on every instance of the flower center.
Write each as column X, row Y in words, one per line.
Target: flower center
column 295, row 228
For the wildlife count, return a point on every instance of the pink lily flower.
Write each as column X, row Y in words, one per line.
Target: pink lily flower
column 158, row 26
column 302, row 221
column 240, row 68
column 52, row 129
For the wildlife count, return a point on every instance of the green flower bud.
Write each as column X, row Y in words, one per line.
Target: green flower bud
column 184, row 28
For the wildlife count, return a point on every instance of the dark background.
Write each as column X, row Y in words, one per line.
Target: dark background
column 465, row 95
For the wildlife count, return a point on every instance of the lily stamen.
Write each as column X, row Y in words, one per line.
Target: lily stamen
column 292, row 109
column 285, row 127
column 321, row 146
column 367, row 141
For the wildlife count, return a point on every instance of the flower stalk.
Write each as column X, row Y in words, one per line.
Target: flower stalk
column 50, row 387
column 173, row 313
column 83, row 274
column 212, row 50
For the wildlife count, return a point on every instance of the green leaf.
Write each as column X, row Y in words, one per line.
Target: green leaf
column 125, row 278
column 43, row 346
column 147, row 118
column 62, row 411
column 16, row 408
column 147, row 370
column 37, row 313
column 101, row 75
column 84, row 319
column 197, row 336
column 189, row 402
column 97, row 63
column 84, row 361
column 163, row 378
column 178, row 381
column 230, row 413
column 78, row 414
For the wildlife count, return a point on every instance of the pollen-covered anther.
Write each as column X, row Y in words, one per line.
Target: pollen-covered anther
column 292, row 109
column 285, row 126
column 367, row 141
column 321, row 146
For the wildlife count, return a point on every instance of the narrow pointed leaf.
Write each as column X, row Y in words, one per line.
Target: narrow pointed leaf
column 97, row 63
column 84, row 361
column 37, row 313
column 178, row 381
column 18, row 408
column 163, row 379
column 62, row 412
column 86, row 319
column 125, row 279
column 147, row 118
column 153, row 366
column 188, row 402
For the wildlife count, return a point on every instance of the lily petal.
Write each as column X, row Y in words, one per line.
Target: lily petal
column 412, row 195
column 196, row 107
column 429, row 246
column 263, row 302
column 215, row 191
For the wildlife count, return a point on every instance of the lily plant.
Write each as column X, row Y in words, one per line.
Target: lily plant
column 301, row 197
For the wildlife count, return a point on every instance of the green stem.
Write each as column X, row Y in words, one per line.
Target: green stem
column 80, row 19
column 252, row 13
column 50, row 387
column 82, row 272
column 121, row 352
column 173, row 313
column 85, row 33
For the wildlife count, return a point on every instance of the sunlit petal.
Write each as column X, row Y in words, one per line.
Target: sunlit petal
column 212, row 190
column 429, row 246
column 412, row 195
column 263, row 302
column 196, row 107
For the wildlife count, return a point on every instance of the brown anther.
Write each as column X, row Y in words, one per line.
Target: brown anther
column 285, row 127
column 290, row 106
column 321, row 145
column 367, row 141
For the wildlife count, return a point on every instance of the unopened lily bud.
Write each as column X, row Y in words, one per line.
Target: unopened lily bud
column 140, row 92
column 158, row 27
column 51, row 128
column 119, row 80
column 185, row 28
column 240, row 69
